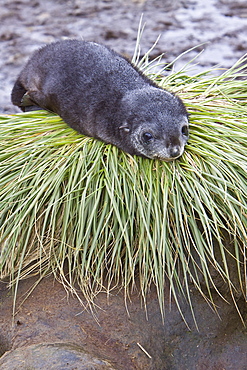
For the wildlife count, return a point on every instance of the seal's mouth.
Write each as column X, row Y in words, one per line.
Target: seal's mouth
column 167, row 154
column 166, row 159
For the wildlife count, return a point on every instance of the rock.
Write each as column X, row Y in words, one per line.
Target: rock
column 56, row 356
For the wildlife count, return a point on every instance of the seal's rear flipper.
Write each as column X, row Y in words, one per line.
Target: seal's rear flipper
column 17, row 93
column 27, row 104
column 31, row 108
column 21, row 98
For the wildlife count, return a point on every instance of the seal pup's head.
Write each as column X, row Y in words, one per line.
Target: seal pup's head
column 156, row 123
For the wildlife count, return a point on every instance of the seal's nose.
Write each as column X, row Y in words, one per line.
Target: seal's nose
column 175, row 151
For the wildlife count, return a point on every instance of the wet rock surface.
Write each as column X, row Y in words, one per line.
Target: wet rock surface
column 49, row 325
column 26, row 25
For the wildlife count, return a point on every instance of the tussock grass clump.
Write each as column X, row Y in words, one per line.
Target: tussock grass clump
column 115, row 219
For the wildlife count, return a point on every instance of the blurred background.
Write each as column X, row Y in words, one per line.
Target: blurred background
column 25, row 25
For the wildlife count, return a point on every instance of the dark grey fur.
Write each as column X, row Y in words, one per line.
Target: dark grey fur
column 100, row 94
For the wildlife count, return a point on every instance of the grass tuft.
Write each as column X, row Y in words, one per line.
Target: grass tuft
column 114, row 219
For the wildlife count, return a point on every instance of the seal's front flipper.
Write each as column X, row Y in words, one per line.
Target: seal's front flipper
column 27, row 104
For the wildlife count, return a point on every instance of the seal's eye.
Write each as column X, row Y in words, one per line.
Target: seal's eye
column 185, row 130
column 147, row 136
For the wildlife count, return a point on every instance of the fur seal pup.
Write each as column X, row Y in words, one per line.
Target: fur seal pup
column 101, row 94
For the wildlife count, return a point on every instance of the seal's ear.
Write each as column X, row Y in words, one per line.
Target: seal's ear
column 124, row 127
